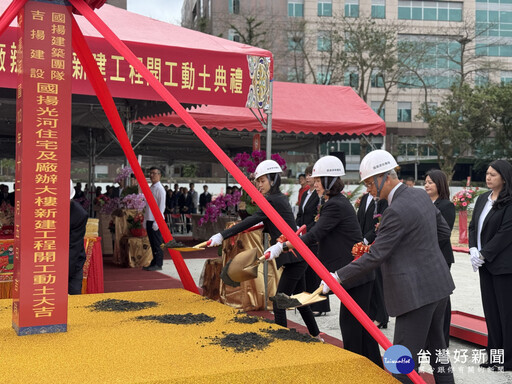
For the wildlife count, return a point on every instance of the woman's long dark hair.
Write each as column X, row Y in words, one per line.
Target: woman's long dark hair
column 441, row 182
column 335, row 189
column 504, row 168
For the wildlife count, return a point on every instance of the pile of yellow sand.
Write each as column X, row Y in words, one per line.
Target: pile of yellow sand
column 114, row 347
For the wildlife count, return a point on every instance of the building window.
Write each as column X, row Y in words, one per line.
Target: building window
column 404, row 112
column 233, row 35
column 375, row 106
column 378, row 9
column 351, row 78
column 430, row 10
column 295, row 75
column 325, row 8
column 437, row 67
column 296, row 8
column 323, row 76
column 234, row 7
column 351, row 8
column 494, row 23
column 324, row 41
column 377, row 80
column 295, row 41
column 506, row 77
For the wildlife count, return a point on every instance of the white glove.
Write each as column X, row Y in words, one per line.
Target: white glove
column 155, row 226
column 215, row 240
column 325, row 287
column 365, row 242
column 476, row 261
column 274, row 251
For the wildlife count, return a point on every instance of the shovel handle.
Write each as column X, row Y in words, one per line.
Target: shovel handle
column 317, row 291
column 201, row 245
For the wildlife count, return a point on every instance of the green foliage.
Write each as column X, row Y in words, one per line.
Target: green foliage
column 189, row 170
column 254, row 33
column 463, row 119
column 499, row 144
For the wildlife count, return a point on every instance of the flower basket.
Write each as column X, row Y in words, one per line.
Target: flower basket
column 138, row 232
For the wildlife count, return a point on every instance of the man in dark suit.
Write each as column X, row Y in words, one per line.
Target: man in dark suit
column 204, row 198
column 368, row 219
column 77, row 227
column 416, row 279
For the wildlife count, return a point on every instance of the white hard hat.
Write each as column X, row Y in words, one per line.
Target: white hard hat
column 375, row 163
column 328, row 166
column 72, row 191
column 266, row 167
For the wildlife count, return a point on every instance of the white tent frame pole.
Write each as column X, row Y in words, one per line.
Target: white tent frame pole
column 269, row 123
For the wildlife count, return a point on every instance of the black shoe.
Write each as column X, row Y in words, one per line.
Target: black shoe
column 152, row 268
column 383, row 326
column 318, row 314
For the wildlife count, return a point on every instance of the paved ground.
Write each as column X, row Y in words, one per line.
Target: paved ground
column 466, row 298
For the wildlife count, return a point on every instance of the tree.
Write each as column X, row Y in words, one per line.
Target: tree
column 253, row 33
column 499, row 144
column 463, row 119
column 455, row 128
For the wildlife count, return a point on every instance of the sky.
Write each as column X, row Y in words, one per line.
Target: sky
column 164, row 10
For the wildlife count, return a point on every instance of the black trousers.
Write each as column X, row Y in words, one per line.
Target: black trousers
column 292, row 281
column 355, row 337
column 378, row 310
column 422, row 330
column 75, row 278
column 155, row 240
column 447, row 318
column 496, row 293
column 312, row 283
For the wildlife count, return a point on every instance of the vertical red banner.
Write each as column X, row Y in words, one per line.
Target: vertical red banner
column 256, row 142
column 43, row 154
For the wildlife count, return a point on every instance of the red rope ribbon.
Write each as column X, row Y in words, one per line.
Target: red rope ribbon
column 10, row 13
column 265, row 206
column 91, row 68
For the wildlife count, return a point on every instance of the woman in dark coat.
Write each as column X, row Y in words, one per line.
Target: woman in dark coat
column 436, row 186
column 268, row 180
column 336, row 231
column 308, row 209
column 490, row 248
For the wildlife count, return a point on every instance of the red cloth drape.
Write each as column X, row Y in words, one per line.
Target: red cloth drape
column 463, row 227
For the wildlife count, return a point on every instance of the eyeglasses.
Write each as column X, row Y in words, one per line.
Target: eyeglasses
column 154, row 173
column 369, row 185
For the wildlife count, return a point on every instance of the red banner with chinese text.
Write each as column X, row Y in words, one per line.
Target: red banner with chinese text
column 193, row 76
column 43, row 140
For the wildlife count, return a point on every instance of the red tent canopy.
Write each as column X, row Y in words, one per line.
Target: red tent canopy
column 307, row 108
column 196, row 67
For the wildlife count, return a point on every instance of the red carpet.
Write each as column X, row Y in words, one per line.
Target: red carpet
column 118, row 279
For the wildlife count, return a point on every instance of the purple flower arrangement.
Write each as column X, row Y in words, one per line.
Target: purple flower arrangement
column 123, row 174
column 215, row 207
column 110, row 206
column 133, row 201
column 248, row 163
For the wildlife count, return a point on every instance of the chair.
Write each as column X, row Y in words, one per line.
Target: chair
column 177, row 223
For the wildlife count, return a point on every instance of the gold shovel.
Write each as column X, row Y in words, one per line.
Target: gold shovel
column 283, row 301
column 255, row 263
column 172, row 245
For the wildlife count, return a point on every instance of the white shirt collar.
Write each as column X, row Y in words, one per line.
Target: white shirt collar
column 392, row 193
